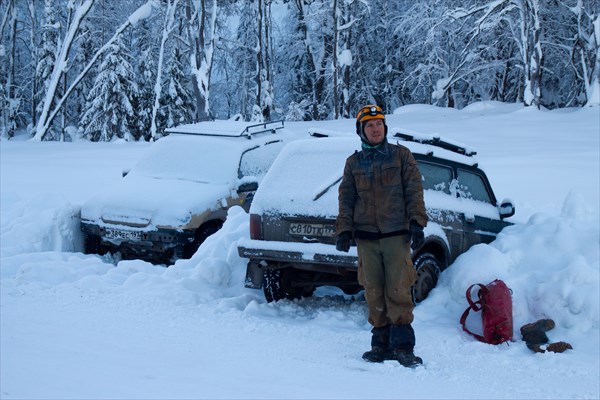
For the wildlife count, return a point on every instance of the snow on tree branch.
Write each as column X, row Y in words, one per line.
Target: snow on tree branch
column 61, row 64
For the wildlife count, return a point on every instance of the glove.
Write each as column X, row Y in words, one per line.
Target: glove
column 418, row 237
column 343, row 241
column 559, row 347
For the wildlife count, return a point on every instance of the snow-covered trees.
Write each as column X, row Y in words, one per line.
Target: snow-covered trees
column 202, row 24
column 300, row 59
column 585, row 37
column 168, row 26
column 177, row 103
column 7, row 64
column 524, row 20
column 109, row 111
column 48, row 50
column 264, row 88
column 58, row 69
column 145, row 75
column 308, row 47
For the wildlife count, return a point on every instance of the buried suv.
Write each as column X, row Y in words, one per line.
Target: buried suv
column 291, row 249
column 179, row 192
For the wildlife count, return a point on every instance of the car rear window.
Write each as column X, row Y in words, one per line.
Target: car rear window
column 304, row 178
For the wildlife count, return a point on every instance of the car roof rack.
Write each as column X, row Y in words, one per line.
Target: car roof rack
column 436, row 141
column 223, row 128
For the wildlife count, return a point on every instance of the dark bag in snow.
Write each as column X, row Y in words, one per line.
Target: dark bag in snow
column 495, row 303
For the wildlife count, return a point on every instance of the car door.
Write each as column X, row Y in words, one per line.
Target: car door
column 482, row 222
column 437, row 179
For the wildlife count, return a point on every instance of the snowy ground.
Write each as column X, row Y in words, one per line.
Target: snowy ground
column 88, row 327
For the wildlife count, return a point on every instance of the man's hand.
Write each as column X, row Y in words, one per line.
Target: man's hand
column 418, row 237
column 343, row 241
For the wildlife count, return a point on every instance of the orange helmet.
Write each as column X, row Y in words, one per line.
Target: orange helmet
column 365, row 114
column 368, row 112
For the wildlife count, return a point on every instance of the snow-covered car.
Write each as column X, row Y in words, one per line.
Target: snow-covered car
column 291, row 249
column 179, row 192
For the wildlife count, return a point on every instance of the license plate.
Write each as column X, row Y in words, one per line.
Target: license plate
column 121, row 234
column 325, row 230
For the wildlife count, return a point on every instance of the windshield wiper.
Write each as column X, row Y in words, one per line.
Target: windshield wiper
column 322, row 192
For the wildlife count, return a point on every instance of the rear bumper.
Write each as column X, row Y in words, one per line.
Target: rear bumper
column 315, row 257
column 302, row 253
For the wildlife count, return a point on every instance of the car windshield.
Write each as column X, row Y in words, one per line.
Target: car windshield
column 191, row 158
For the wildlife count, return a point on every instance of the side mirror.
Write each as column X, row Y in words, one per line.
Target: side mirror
column 506, row 208
column 248, row 187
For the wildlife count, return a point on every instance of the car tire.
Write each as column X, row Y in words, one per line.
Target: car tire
column 201, row 235
column 428, row 268
column 92, row 244
column 178, row 253
column 276, row 286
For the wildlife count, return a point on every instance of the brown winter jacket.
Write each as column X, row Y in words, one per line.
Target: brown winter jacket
column 380, row 193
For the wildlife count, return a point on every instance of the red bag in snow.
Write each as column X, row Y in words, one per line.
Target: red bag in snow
column 495, row 303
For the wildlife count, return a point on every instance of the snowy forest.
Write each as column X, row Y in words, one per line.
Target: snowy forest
column 103, row 70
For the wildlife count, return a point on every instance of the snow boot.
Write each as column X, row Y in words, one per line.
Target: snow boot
column 379, row 345
column 377, row 355
column 402, row 341
column 534, row 334
column 407, row 358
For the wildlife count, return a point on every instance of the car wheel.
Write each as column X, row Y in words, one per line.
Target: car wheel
column 201, row 235
column 178, row 253
column 276, row 286
column 92, row 244
column 428, row 270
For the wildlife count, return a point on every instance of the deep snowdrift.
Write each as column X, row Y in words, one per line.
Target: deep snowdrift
column 83, row 326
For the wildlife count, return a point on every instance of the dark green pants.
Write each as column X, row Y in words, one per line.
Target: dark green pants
column 386, row 272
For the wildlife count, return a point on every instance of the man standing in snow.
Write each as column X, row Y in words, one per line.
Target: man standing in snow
column 381, row 206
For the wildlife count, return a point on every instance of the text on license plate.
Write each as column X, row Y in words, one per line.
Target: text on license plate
column 297, row 228
column 121, row 234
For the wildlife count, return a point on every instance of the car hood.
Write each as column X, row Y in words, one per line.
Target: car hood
column 140, row 201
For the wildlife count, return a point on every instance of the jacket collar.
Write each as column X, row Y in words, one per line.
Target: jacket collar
column 381, row 148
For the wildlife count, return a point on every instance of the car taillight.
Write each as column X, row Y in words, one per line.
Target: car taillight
column 255, row 227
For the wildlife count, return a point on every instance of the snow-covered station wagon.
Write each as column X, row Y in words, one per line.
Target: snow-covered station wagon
column 291, row 249
column 179, row 192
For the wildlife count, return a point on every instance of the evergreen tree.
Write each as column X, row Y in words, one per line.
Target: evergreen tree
column 145, row 55
column 177, row 102
column 305, row 55
column 109, row 112
column 244, row 53
column 315, row 63
column 88, row 45
column 144, row 100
